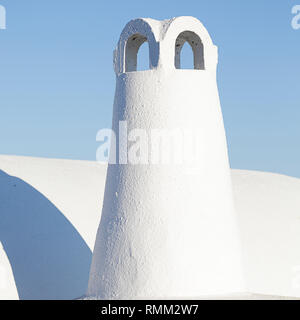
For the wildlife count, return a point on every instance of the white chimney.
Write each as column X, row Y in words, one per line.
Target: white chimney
column 168, row 228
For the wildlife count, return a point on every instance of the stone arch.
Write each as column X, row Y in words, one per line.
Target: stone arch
column 197, row 46
column 132, row 47
column 183, row 29
column 135, row 33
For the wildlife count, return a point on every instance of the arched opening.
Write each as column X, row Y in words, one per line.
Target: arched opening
column 197, row 48
column 186, row 57
column 143, row 57
column 132, row 47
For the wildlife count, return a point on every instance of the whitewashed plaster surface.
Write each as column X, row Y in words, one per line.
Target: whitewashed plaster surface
column 163, row 232
column 268, row 207
column 157, row 220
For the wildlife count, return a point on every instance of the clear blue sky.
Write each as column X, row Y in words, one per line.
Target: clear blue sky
column 57, row 81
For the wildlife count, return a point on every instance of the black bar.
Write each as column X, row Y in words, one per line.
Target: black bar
column 147, row 309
